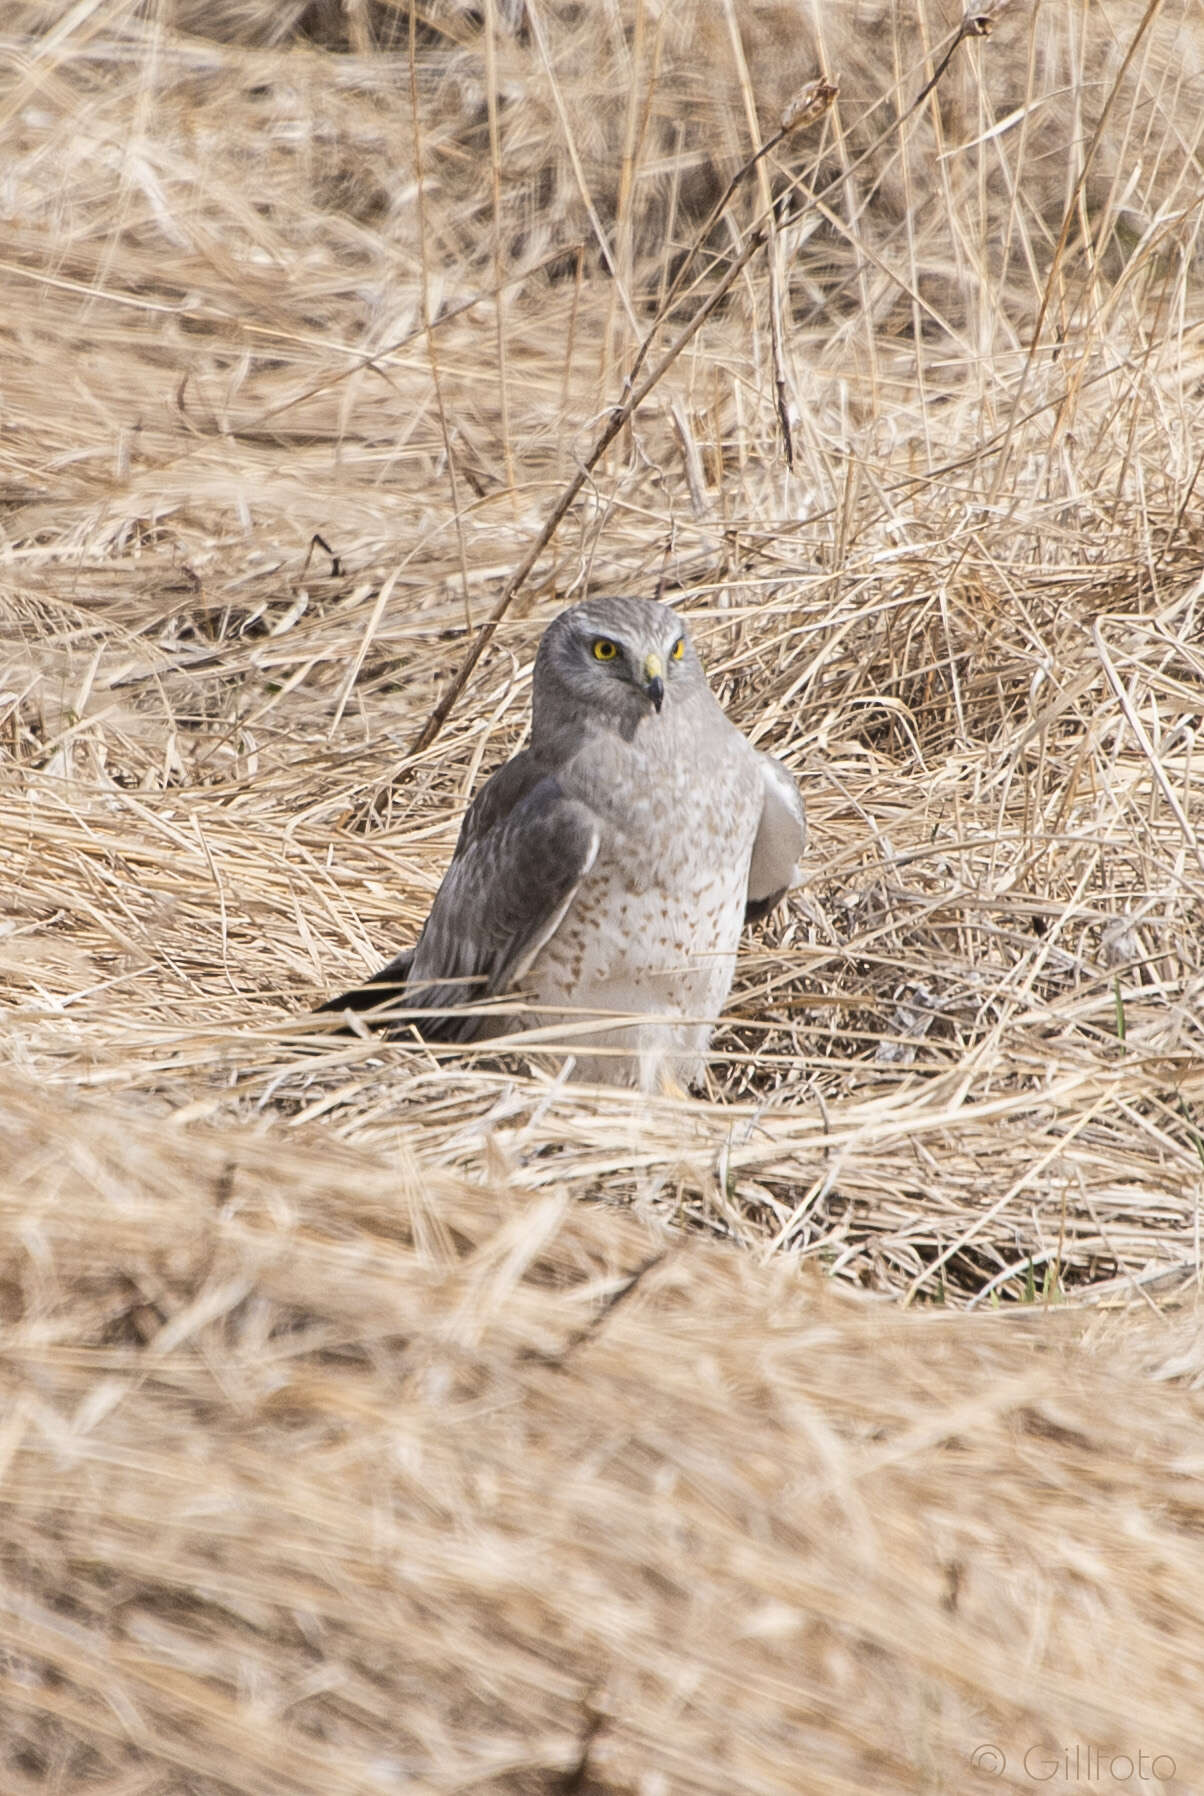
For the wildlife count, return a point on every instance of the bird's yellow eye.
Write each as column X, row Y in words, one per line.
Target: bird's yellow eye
column 605, row 649
column 678, row 649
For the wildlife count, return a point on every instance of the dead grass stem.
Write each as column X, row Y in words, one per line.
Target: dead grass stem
column 301, row 1492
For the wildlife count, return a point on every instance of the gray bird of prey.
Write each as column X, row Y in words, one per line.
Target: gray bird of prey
column 604, row 873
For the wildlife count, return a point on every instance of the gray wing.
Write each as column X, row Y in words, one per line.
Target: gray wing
column 780, row 841
column 523, row 850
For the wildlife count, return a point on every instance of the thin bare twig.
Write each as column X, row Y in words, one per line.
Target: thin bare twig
column 811, row 104
column 821, row 95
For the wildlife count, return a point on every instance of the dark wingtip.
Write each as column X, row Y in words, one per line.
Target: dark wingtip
column 390, row 982
column 757, row 908
column 364, row 997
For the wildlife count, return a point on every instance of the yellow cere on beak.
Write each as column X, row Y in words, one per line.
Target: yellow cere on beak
column 654, row 679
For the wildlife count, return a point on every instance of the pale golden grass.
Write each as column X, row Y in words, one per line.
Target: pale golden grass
column 332, row 1460
column 324, row 1471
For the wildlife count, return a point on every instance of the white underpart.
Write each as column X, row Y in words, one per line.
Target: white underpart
column 635, row 975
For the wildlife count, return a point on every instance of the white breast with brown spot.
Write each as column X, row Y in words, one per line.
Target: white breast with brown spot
column 633, row 979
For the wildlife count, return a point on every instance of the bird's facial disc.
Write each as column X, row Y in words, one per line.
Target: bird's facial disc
column 637, row 667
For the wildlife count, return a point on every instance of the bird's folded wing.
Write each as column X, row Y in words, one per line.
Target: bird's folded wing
column 780, row 840
column 523, row 851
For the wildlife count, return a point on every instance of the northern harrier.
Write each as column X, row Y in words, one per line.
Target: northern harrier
column 603, row 874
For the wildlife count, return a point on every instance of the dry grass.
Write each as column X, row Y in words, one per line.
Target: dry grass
column 330, row 1462
column 327, row 1473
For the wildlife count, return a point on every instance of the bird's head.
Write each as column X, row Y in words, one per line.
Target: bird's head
column 621, row 661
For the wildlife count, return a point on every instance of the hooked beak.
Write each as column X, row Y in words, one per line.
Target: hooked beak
column 654, row 681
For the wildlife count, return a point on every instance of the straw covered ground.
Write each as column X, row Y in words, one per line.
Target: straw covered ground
column 381, row 1419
